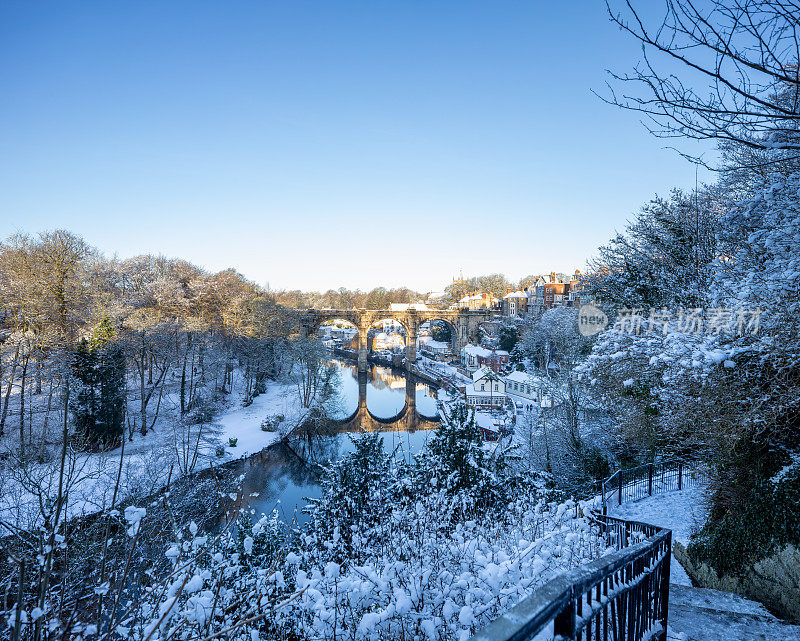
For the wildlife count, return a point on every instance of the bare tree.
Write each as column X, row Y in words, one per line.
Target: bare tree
column 739, row 80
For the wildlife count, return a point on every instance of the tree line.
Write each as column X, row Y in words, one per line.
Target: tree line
column 76, row 323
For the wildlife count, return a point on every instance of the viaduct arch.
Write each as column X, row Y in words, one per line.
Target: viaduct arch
column 465, row 323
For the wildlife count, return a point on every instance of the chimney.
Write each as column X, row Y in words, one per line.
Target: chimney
column 552, row 277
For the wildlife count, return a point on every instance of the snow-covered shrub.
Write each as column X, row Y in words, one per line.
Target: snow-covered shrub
column 434, row 549
column 357, row 492
column 229, row 582
column 271, row 423
column 414, row 575
column 456, row 462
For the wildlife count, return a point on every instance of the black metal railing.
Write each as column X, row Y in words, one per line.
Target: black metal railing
column 623, row 596
column 638, row 482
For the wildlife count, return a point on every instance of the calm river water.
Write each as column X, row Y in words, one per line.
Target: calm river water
column 285, row 477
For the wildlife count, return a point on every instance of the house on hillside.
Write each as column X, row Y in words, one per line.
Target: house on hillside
column 474, row 357
column 551, row 291
column 496, row 361
column 515, row 303
column 470, row 355
column 435, row 349
column 486, row 391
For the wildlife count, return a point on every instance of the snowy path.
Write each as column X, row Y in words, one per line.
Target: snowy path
column 680, row 511
column 698, row 614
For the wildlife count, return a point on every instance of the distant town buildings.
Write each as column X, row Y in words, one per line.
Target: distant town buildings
column 547, row 292
column 387, row 341
column 515, row 303
column 478, row 300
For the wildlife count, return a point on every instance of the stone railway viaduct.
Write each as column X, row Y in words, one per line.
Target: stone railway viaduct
column 463, row 325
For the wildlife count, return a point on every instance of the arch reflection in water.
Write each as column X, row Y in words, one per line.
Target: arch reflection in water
column 384, row 399
column 379, row 400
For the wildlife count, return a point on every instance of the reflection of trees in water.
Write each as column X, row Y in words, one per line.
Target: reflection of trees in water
column 320, row 451
column 285, row 473
column 318, row 424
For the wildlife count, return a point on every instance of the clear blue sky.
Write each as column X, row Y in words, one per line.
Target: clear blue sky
column 324, row 144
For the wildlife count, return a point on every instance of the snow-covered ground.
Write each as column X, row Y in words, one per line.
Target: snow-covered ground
column 169, row 450
column 681, row 511
column 244, row 423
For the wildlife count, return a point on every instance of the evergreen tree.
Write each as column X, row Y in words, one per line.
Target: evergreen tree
column 508, row 337
column 98, row 407
column 84, row 397
column 456, row 462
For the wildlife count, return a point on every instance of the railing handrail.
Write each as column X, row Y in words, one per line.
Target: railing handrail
column 639, row 563
column 556, row 600
column 624, row 478
column 670, row 461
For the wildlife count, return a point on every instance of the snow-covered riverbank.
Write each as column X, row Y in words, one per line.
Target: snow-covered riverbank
column 146, row 463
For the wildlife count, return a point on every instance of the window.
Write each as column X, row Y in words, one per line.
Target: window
column 496, row 387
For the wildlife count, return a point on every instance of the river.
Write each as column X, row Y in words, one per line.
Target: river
column 285, row 477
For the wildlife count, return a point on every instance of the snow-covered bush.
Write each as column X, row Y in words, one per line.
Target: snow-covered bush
column 434, row 549
column 419, row 577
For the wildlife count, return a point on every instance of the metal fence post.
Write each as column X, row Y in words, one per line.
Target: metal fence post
column 619, row 477
column 650, row 479
column 665, row 576
column 680, row 475
column 564, row 623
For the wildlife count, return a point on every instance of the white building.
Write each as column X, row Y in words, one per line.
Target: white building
column 487, row 390
column 470, row 355
column 524, row 386
column 333, row 332
column 383, row 340
column 436, row 349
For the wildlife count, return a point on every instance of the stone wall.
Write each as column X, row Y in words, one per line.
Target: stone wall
column 773, row 581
